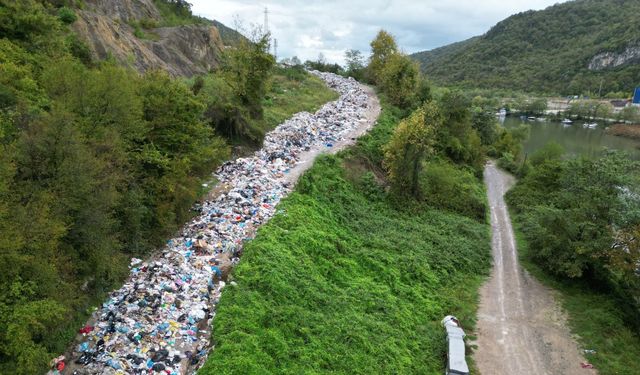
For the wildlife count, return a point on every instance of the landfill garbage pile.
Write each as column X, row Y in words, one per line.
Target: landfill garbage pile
column 160, row 320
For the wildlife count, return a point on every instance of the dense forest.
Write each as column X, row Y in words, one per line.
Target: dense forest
column 546, row 51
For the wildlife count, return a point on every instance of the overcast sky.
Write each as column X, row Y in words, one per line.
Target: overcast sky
column 306, row 28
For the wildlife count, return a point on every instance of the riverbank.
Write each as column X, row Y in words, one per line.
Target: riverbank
column 626, row 131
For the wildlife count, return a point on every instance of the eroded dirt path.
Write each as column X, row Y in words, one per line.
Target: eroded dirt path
column 521, row 328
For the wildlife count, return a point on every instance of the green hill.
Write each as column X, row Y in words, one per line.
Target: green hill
column 230, row 37
column 568, row 48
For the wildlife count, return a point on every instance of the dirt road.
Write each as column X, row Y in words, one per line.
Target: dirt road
column 521, row 328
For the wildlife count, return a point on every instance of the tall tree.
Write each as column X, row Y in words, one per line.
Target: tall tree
column 411, row 143
column 382, row 48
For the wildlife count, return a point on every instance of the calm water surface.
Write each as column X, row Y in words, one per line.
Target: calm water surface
column 575, row 139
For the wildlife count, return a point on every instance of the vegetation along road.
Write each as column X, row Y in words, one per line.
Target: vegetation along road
column 521, row 328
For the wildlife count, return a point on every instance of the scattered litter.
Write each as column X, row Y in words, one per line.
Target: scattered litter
column 160, row 319
column 586, row 365
column 590, row 351
column 57, row 365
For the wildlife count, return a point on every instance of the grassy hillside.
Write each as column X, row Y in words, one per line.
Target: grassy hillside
column 343, row 281
column 545, row 51
column 294, row 91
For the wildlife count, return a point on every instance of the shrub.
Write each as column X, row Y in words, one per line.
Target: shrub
column 67, row 15
column 446, row 187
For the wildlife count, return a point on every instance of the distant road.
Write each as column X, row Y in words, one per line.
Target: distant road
column 521, row 328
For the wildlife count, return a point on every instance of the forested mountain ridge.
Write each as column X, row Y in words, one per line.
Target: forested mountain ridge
column 569, row 48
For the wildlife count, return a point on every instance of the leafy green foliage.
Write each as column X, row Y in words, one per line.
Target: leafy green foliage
column 457, row 139
column 578, row 217
column 630, row 115
column 508, row 148
column 452, row 188
column 546, row 51
column 395, row 74
column 98, row 164
column 411, row 143
column 399, row 79
column 355, row 66
column 484, row 122
column 67, row 15
column 596, row 316
column 382, row 48
column 177, row 13
column 229, row 36
column 234, row 95
column 323, row 66
column 342, row 281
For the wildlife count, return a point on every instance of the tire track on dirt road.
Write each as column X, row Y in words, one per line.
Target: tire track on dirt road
column 521, row 328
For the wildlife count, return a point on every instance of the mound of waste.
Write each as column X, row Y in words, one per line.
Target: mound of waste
column 159, row 321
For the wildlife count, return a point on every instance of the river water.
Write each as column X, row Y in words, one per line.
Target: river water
column 575, row 139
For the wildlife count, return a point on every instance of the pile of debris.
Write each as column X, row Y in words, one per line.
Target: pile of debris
column 159, row 320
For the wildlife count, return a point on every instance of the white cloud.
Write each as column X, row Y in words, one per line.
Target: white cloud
column 306, row 28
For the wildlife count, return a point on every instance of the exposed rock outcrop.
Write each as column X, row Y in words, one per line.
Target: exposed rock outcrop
column 609, row 60
column 182, row 51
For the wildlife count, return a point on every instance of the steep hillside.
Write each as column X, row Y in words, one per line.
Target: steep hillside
column 230, row 37
column 149, row 34
column 569, row 48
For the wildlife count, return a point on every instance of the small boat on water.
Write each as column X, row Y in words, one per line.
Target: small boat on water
column 531, row 118
column 567, row 121
column 591, row 125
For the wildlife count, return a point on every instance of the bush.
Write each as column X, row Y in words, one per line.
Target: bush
column 67, row 15
column 454, row 189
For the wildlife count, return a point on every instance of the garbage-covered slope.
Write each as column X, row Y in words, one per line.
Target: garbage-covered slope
column 131, row 32
column 569, row 48
column 160, row 318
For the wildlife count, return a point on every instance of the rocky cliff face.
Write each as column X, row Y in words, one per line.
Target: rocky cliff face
column 106, row 26
column 609, row 60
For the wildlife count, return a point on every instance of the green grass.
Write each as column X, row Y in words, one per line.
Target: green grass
column 342, row 281
column 293, row 93
column 594, row 316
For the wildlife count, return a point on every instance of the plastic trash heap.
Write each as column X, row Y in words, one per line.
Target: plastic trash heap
column 159, row 320
column 456, row 362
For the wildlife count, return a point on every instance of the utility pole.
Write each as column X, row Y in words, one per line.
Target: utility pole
column 266, row 20
column 275, row 49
